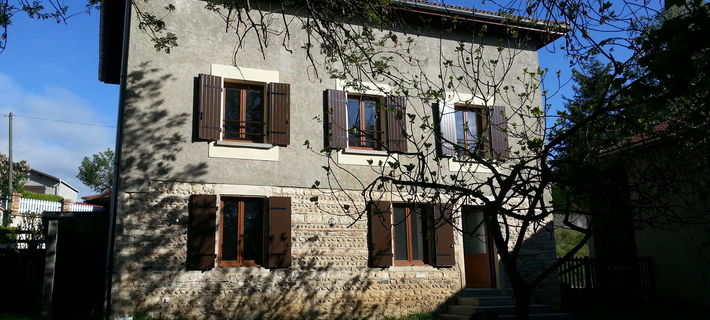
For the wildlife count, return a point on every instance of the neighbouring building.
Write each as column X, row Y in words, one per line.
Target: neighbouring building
column 213, row 216
column 44, row 183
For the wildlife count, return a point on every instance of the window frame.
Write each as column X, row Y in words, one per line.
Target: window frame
column 482, row 134
column 243, row 86
column 408, row 222
column 379, row 138
column 240, row 262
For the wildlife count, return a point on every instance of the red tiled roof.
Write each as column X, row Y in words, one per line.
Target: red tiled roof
column 106, row 194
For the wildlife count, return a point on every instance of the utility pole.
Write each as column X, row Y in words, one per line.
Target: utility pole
column 8, row 211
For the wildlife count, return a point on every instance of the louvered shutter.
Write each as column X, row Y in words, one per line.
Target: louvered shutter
column 499, row 133
column 396, row 123
column 279, row 109
column 336, row 135
column 446, row 127
column 443, row 238
column 279, row 239
column 380, row 223
column 210, row 106
column 201, row 232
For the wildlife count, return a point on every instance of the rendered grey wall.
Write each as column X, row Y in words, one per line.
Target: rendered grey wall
column 158, row 135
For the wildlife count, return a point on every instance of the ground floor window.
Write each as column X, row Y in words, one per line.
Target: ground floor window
column 409, row 235
column 241, row 232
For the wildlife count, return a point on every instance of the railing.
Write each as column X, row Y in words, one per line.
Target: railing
column 85, row 207
column 38, row 206
column 587, row 278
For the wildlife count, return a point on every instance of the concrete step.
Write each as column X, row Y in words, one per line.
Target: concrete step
column 447, row 316
column 480, row 293
column 485, row 301
column 541, row 316
column 498, row 310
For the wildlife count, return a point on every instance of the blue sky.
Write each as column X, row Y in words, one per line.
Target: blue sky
column 49, row 70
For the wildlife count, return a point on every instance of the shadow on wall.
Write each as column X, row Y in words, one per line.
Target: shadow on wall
column 152, row 137
column 536, row 255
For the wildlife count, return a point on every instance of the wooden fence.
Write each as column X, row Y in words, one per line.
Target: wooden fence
column 587, row 279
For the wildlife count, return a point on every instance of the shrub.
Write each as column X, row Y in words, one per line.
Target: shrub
column 8, row 234
column 40, row 196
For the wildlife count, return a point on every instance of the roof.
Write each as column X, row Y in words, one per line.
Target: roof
column 111, row 35
column 548, row 30
column 640, row 140
column 35, row 171
column 101, row 195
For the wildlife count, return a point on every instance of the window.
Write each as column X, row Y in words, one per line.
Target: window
column 365, row 122
column 243, row 112
column 251, row 232
column 469, row 130
column 405, row 235
column 409, row 235
column 241, row 232
column 465, row 129
column 364, row 127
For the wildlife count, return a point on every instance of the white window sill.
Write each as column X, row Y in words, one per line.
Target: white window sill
column 367, row 152
column 244, row 144
column 457, row 164
column 242, row 150
column 365, row 157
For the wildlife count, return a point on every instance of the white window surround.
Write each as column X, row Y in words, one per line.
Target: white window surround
column 242, row 150
column 361, row 156
column 455, row 98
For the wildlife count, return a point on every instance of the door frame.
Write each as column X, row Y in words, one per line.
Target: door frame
column 490, row 248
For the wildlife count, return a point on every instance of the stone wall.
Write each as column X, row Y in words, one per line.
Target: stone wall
column 329, row 277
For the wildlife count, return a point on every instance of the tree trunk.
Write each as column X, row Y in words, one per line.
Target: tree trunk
column 522, row 296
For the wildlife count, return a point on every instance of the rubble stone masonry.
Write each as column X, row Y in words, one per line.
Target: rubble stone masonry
column 329, row 276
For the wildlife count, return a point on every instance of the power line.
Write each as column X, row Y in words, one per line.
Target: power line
column 64, row 121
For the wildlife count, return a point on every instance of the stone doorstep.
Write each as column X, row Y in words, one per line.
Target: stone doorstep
column 485, row 301
column 541, row 316
column 481, row 293
column 498, row 310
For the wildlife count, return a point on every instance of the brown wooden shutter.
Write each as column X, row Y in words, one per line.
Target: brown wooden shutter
column 279, row 246
column 499, row 133
column 336, row 135
column 201, row 232
column 279, row 110
column 443, row 237
column 210, row 106
column 396, row 123
column 446, row 126
column 380, row 220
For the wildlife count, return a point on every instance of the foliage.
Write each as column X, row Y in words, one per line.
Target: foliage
column 416, row 316
column 96, row 172
column 20, row 173
column 566, row 239
column 150, row 23
column 8, row 234
column 40, row 196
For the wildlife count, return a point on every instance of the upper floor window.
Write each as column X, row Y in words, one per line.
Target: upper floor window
column 469, row 129
column 365, row 122
column 245, row 112
column 364, row 125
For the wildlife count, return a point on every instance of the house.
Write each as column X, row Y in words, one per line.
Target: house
column 214, row 217
column 660, row 211
column 40, row 182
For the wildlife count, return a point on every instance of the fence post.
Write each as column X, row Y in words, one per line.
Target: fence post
column 66, row 205
column 15, row 203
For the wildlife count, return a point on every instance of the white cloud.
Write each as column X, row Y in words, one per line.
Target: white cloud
column 56, row 148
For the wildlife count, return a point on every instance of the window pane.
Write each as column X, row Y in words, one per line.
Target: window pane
column 460, row 134
column 254, row 114
column 354, row 122
column 417, row 234
column 252, row 229
column 370, row 123
column 400, row 233
column 474, row 237
column 472, row 134
column 232, row 118
column 229, row 230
